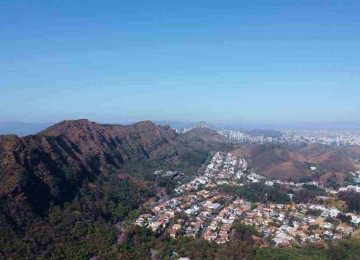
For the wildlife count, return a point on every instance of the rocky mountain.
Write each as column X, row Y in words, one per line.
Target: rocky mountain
column 49, row 167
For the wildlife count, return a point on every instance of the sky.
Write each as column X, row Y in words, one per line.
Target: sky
column 265, row 62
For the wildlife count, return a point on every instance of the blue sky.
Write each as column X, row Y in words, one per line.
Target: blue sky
column 218, row 61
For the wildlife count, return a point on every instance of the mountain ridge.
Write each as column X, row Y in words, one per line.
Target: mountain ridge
column 72, row 152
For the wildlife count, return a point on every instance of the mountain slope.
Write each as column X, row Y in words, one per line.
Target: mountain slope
column 274, row 161
column 328, row 158
column 203, row 137
column 139, row 140
column 291, row 163
column 51, row 166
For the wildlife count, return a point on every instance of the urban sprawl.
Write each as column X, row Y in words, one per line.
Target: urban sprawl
column 200, row 209
column 333, row 138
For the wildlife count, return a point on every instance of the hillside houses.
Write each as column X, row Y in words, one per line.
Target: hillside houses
column 199, row 209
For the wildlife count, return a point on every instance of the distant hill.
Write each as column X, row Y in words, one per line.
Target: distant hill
column 263, row 132
column 274, row 161
column 203, row 135
column 175, row 124
column 181, row 126
column 332, row 159
column 291, row 163
column 266, row 132
column 203, row 124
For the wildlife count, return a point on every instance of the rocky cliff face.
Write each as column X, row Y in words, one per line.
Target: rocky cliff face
column 92, row 138
column 51, row 165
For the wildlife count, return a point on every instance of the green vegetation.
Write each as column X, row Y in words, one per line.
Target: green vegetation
column 308, row 193
column 141, row 244
column 88, row 226
column 291, row 254
column 258, row 192
column 352, row 200
column 78, row 229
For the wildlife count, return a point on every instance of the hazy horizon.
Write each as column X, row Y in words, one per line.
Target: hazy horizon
column 28, row 128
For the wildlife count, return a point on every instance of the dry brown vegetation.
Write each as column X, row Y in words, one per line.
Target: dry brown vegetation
column 292, row 163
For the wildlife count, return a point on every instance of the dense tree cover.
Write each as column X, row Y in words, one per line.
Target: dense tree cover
column 78, row 229
column 143, row 244
column 308, row 253
column 307, row 194
column 314, row 188
column 345, row 249
column 243, row 232
column 166, row 183
column 258, row 192
column 352, row 200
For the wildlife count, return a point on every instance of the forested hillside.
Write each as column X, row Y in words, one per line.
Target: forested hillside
column 63, row 190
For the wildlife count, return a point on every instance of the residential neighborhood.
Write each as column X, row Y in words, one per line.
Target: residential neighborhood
column 200, row 208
